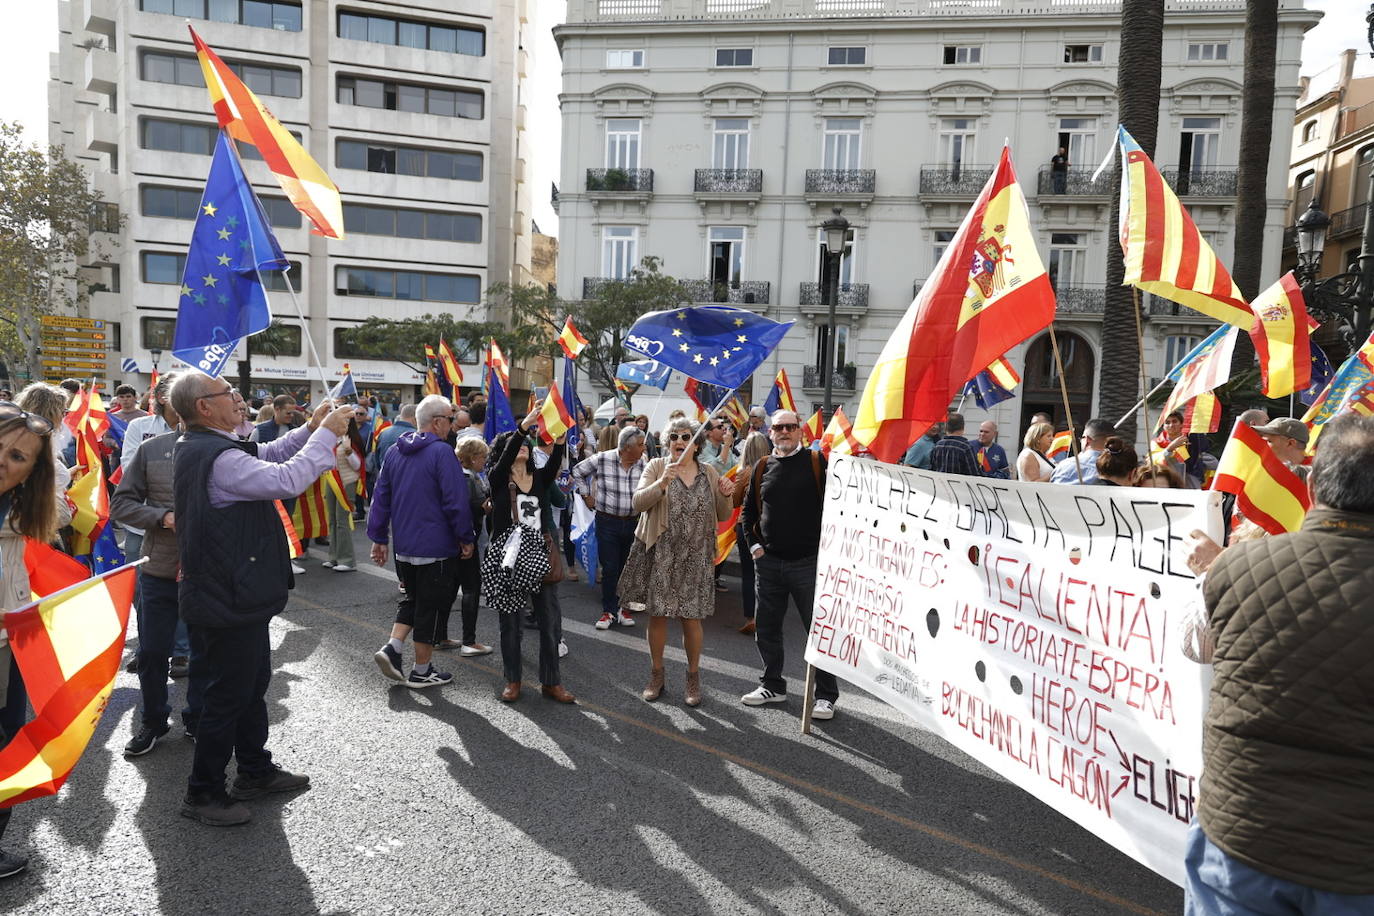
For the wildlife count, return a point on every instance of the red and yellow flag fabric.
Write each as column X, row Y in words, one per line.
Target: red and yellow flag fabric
column 1203, row 414
column 839, row 436
column 378, row 428
column 1269, row 494
column 247, row 120
column 780, row 396
column 571, row 339
column 497, row 360
column 554, row 417
column 89, row 422
column 812, row 429
column 726, row 530
column 90, row 499
column 989, row 293
column 449, row 364
column 735, row 412
column 430, row 356
column 297, row 548
column 431, row 383
column 309, row 515
column 68, row 645
column 1165, row 254
column 1280, row 332
column 1061, row 446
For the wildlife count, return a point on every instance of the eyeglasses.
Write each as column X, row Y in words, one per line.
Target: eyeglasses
column 680, row 437
column 39, row 426
column 217, row 394
column 787, row 427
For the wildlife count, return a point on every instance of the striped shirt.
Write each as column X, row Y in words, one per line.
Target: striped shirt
column 615, row 484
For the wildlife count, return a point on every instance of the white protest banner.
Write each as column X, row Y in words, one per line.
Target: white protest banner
column 1039, row 628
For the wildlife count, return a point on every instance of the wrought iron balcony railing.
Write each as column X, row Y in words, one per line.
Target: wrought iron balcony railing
column 742, row 292
column 1073, row 182
column 958, row 180
column 852, row 295
column 627, row 181
column 593, row 286
column 1080, row 298
column 840, row 181
column 842, row 379
column 1345, row 222
column 729, row 181
column 1206, row 181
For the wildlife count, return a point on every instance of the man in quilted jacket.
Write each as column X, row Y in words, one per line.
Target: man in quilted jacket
column 1287, row 796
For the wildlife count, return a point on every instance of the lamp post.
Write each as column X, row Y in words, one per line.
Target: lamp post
column 156, row 354
column 836, row 235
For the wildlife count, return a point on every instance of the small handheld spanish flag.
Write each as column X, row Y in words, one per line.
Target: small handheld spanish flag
column 571, row 339
column 1060, row 447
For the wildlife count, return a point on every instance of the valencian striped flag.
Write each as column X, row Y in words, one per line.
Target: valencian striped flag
column 994, row 384
column 1269, row 494
column 571, row 339
column 248, row 121
column 1205, row 368
column 449, row 364
column 1280, row 333
column 1165, row 254
column 780, row 395
column 308, row 514
column 988, row 293
column 68, row 646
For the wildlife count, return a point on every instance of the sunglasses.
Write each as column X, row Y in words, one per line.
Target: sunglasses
column 39, row 426
column 680, row 437
column 787, row 427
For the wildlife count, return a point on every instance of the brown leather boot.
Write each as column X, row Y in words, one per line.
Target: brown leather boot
column 655, row 688
column 511, row 693
column 693, row 695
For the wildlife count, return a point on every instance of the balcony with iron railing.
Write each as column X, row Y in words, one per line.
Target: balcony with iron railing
column 800, row 10
column 1202, row 181
column 841, row 181
column 954, row 180
column 844, row 378
column 1073, row 182
column 620, row 181
column 740, row 292
column 853, row 296
column 1080, row 298
column 728, row 181
column 1347, row 222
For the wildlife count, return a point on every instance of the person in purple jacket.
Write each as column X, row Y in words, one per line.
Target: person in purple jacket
column 421, row 499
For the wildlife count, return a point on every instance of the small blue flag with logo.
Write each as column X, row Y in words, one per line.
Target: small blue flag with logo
column 574, row 405
column 1321, row 374
column 500, row 418
column 346, row 388
column 717, row 344
column 644, row 372
column 985, row 390
column 222, row 298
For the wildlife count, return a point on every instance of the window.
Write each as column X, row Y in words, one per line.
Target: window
column 284, row 17
column 409, row 160
column 179, row 69
column 726, row 255
column 184, row 70
column 1082, row 54
column 412, row 33
column 958, row 139
column 281, row 213
column 450, row 103
column 1198, row 146
column 275, row 281
column 1177, row 347
column 846, row 259
column 730, row 149
column 847, row 57
column 942, row 239
column 624, row 59
column 177, row 136
column 1079, row 137
column 172, row 203
column 841, row 143
column 157, row 333
column 1068, row 251
column 963, row 54
column 734, row 57
column 1304, row 188
column 413, row 224
column 622, row 143
column 407, row 284
column 841, row 352
column 105, row 217
column 163, row 267
column 1208, row 50
column 619, row 251
column 1309, row 131
column 1364, row 161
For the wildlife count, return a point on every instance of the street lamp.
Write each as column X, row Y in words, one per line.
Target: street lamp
column 836, row 231
column 156, row 354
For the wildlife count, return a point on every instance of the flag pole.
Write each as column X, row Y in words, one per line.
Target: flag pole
column 1153, row 391
column 1068, row 412
column 1144, row 379
column 701, row 427
column 305, row 327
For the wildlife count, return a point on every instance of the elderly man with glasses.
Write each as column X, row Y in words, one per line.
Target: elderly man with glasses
column 235, row 571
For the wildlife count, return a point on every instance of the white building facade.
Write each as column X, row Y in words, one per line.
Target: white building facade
column 718, row 134
column 417, row 114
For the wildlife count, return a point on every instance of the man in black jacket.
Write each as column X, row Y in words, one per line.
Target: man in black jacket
column 235, row 573
column 782, row 523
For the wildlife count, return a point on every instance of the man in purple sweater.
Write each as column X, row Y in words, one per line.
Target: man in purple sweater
column 421, row 501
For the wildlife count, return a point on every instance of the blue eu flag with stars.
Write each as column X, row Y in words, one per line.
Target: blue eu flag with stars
column 716, row 344
column 222, row 298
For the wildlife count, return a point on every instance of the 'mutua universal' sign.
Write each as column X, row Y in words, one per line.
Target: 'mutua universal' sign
column 1046, row 630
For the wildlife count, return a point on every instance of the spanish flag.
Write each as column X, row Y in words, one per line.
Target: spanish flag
column 812, row 429
column 988, row 294
column 571, row 339
column 1061, row 446
column 1267, row 492
column 726, row 530
column 90, row 500
column 449, row 364
column 1165, row 254
column 68, row 646
column 1280, row 332
column 1203, row 414
column 497, row 360
column 247, row 120
column 554, row 417
column 780, row 395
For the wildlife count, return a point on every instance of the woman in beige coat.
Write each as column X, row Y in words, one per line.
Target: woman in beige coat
column 670, row 567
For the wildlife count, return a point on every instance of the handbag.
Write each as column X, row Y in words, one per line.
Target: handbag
column 556, row 571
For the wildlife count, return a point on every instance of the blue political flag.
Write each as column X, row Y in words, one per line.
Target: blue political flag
column 644, row 372
column 346, row 388
column 222, row 297
column 117, row 429
column 500, row 418
column 574, row 405
column 717, row 344
column 1321, row 374
column 985, row 390
column 105, row 554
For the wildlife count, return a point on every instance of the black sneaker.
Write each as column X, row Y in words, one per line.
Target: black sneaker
column 144, row 741
column 389, row 660
column 11, row 863
column 215, row 810
column 435, row 678
column 274, row 780
column 180, row 667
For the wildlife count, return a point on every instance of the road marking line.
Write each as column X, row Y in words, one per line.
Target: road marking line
column 806, row 786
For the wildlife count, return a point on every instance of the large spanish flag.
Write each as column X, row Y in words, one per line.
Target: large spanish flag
column 571, row 339
column 988, row 294
column 1165, row 254
column 1280, row 332
column 554, row 417
column 248, row 121
column 1269, row 494
column 449, row 364
column 68, row 647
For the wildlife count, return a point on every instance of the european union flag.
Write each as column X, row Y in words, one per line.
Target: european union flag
column 985, row 391
column 574, row 406
column 1321, row 375
column 500, row 419
column 644, row 372
column 222, row 298
column 105, row 553
column 716, row 344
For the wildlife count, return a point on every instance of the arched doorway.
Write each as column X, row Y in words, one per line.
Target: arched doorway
column 1040, row 380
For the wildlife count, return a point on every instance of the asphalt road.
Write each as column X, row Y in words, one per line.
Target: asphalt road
column 447, row 800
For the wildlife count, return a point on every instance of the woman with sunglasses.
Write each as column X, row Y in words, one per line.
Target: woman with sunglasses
column 28, row 508
column 670, row 567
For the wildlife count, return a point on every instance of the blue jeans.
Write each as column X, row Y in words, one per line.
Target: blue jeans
column 777, row 580
column 1219, row 885
column 158, row 622
column 181, row 642
column 614, row 538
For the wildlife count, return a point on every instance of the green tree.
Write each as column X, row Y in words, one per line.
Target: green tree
column 48, row 210
column 403, row 340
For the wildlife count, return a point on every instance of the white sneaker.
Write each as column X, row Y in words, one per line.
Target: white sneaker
column 328, row 564
column 761, row 695
column 624, row 620
column 562, row 648
column 342, row 567
column 605, row 621
column 823, row 709
column 297, row 568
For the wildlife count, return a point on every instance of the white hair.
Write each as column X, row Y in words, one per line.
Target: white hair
column 433, row 406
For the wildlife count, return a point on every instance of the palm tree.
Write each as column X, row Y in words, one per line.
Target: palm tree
column 271, row 341
column 1138, row 80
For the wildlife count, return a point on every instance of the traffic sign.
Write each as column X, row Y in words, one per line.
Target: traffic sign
column 64, row 321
